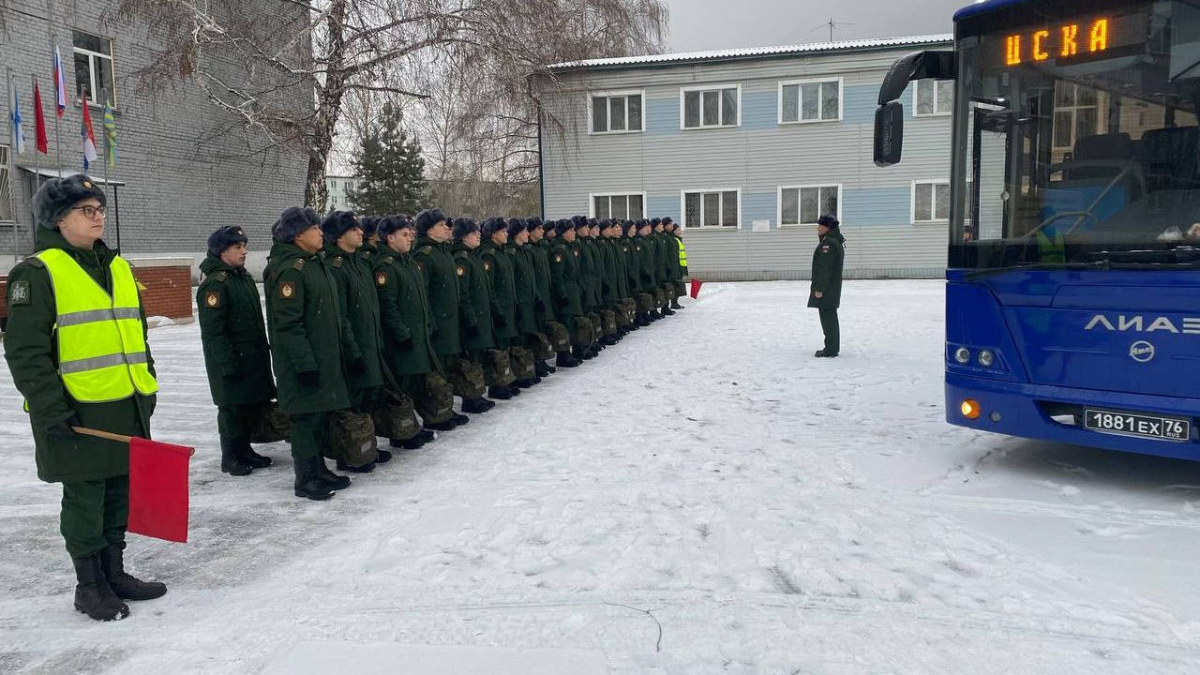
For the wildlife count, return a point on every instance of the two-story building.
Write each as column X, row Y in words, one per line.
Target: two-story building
column 747, row 148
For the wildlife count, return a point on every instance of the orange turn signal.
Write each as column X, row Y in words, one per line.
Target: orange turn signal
column 970, row 409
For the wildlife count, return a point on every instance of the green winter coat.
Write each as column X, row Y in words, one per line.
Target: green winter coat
column 827, row 271
column 633, row 264
column 564, row 281
column 32, row 354
column 437, row 264
column 620, row 249
column 666, row 250
column 476, row 316
column 647, row 270
column 498, row 266
column 304, row 322
column 587, row 271
column 525, row 284
column 405, row 314
column 608, row 276
column 541, row 265
column 360, row 310
column 236, row 354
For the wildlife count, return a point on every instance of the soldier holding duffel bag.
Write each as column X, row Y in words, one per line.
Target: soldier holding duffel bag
column 305, row 328
column 236, row 354
column 478, row 339
column 564, row 284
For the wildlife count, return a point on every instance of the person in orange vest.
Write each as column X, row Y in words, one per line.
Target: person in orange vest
column 76, row 347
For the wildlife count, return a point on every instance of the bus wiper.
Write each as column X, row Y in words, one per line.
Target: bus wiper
column 1098, row 265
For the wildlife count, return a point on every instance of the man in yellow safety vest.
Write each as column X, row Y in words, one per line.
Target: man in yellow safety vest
column 76, row 347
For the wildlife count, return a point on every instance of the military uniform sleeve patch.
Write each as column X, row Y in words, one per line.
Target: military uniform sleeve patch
column 487, row 265
column 461, row 271
column 212, row 299
column 825, row 248
column 19, row 294
column 557, row 257
column 220, row 276
column 287, row 290
column 337, row 262
column 299, row 264
column 381, row 279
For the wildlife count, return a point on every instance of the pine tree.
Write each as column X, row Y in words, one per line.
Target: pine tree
column 390, row 170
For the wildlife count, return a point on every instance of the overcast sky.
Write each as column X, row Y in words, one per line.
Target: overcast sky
column 722, row 24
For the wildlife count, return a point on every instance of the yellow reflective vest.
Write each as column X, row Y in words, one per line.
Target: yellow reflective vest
column 102, row 352
column 682, row 252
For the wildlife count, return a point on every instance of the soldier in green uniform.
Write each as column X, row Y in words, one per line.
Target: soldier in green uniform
column 236, row 354
column 674, row 268
column 565, row 285
column 306, row 334
column 497, row 266
column 370, row 247
column 476, row 319
column 54, row 301
column 624, row 274
column 663, row 252
column 633, row 272
column 609, row 291
column 432, row 255
column 648, row 269
column 826, row 292
column 360, row 312
column 539, row 253
column 526, row 293
column 406, row 320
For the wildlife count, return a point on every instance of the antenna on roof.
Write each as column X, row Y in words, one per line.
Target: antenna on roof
column 831, row 24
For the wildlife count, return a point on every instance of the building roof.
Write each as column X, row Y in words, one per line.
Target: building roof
column 750, row 53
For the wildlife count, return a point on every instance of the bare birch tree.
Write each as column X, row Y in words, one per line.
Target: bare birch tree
column 285, row 68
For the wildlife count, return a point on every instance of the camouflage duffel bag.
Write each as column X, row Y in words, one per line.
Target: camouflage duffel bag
column 597, row 326
column 350, row 438
column 542, row 349
column 629, row 309
column 622, row 315
column 466, row 379
column 522, row 363
column 660, row 297
column 395, row 418
column 272, row 426
column 582, row 334
column 497, row 369
column 645, row 302
column 437, row 405
column 608, row 319
column 559, row 336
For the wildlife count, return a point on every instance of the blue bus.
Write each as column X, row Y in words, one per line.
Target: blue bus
column 1073, row 278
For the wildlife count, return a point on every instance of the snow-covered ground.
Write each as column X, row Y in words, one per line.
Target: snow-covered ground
column 703, row 498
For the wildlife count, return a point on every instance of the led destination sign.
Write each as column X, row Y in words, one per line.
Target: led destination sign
column 1095, row 38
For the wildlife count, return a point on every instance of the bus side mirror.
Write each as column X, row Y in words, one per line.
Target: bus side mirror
column 889, row 133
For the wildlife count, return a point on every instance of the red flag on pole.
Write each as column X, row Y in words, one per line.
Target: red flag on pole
column 158, row 489
column 39, row 121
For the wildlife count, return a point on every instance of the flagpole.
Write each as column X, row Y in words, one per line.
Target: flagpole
column 107, row 185
column 37, row 161
column 11, row 87
column 57, row 144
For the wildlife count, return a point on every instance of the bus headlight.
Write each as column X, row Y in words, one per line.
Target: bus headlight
column 987, row 358
column 962, row 355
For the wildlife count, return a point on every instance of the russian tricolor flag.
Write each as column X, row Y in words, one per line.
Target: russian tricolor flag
column 89, row 139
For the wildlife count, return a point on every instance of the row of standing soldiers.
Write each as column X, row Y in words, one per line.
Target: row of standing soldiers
column 374, row 321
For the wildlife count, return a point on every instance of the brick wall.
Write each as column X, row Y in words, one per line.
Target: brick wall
column 168, row 292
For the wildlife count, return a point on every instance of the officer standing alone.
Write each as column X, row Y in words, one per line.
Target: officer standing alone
column 826, row 293
column 76, row 348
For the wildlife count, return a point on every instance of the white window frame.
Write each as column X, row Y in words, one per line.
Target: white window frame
column 93, row 71
column 591, row 210
column 720, row 111
column 710, row 228
column 799, row 101
column 937, row 112
column 912, row 202
column 779, row 203
column 610, row 94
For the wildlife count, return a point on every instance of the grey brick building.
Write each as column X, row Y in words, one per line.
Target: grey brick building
column 178, row 175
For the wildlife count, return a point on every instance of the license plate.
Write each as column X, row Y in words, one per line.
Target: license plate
column 1142, row 426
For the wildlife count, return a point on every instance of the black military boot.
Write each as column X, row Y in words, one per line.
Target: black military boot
column 249, row 457
column 549, row 368
column 307, row 484
column 365, row 468
column 477, row 405
column 565, row 360
column 93, row 595
column 501, row 393
column 666, row 311
column 460, row 420
column 675, row 305
column 825, row 354
column 231, row 463
column 541, row 369
column 125, row 585
column 608, row 340
column 333, row 480
column 447, row 425
column 383, row 456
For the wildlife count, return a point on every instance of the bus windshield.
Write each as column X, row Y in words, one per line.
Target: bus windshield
column 1076, row 138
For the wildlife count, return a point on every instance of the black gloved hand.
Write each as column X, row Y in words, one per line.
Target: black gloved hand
column 309, row 378
column 62, row 430
column 405, row 344
column 357, row 366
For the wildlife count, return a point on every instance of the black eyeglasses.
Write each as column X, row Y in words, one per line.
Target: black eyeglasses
column 92, row 211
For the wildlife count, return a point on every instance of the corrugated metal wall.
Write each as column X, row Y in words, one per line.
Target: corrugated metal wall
column 757, row 158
